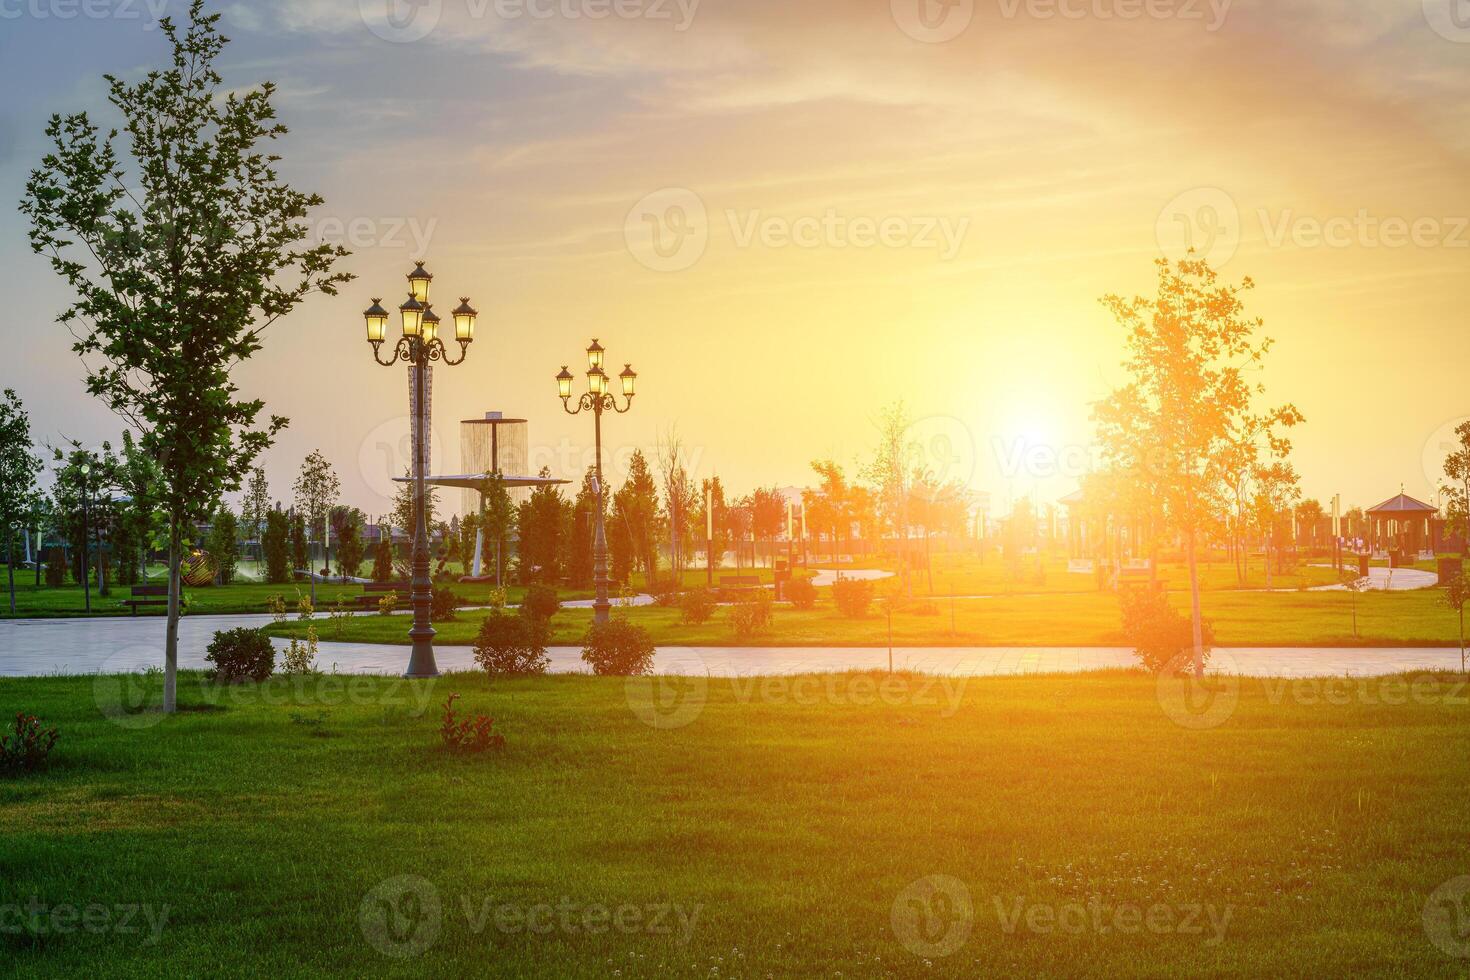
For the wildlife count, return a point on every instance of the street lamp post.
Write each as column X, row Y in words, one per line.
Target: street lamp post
column 419, row 346
column 599, row 398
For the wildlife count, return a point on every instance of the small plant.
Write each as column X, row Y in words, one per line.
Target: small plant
column 241, row 654
column 1159, row 633
column 305, row 609
column 540, row 603
column 388, row 604
column 468, row 735
column 300, row 656
column 696, row 607
column 1456, row 595
column 28, row 747
column 446, row 603
column 340, row 614
column 801, row 593
column 752, row 616
column 511, row 646
column 276, row 606
column 664, row 594
column 853, row 597
column 499, row 599
column 618, row 648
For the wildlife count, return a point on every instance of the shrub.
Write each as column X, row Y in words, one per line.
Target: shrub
column 28, row 748
column 540, row 603
column 241, row 654
column 466, row 735
column 511, row 645
column 853, row 597
column 696, row 607
column 446, row 601
column 300, row 656
column 276, row 606
column 387, row 604
column 752, row 616
column 618, row 648
column 1158, row 633
column 801, row 593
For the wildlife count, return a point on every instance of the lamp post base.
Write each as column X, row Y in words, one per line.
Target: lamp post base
column 421, row 661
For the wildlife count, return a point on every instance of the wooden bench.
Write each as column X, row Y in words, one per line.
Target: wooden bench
column 740, row 584
column 374, row 591
column 146, row 595
column 1138, row 579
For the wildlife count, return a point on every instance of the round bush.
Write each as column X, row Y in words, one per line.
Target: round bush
column 540, row 603
column 446, row 601
column 618, row 648
column 241, row 654
column 696, row 606
column 801, row 593
column 853, row 597
column 511, row 646
column 751, row 617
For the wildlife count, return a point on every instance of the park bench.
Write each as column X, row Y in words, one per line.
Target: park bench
column 146, row 595
column 374, row 591
column 739, row 584
column 1137, row 579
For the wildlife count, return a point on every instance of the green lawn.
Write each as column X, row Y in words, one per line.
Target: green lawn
column 1089, row 619
column 268, row 833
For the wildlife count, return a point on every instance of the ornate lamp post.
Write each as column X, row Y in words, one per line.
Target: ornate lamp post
column 420, row 345
column 599, row 398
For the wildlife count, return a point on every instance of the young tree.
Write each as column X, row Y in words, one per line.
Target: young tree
column 829, row 504
column 1277, row 491
column 584, row 522
column 498, row 518
column 300, row 552
column 679, row 499
column 254, row 508
column 889, row 474
column 542, row 520
column 179, row 263
column 275, row 542
column 1174, row 423
column 19, row 466
column 403, row 513
column 347, row 525
column 316, row 488
column 636, row 506
column 1456, row 595
column 223, row 543
column 139, row 524
column 715, row 525
column 1457, row 491
column 383, row 555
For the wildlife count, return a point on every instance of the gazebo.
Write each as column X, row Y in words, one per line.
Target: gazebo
column 1400, row 524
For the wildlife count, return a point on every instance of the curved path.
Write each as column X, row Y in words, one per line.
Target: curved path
column 39, row 647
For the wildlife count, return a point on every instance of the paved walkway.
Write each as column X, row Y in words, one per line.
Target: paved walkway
column 38, row 647
column 1388, row 580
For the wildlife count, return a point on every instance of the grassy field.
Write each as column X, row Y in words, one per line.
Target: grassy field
column 1035, row 826
column 1090, row 619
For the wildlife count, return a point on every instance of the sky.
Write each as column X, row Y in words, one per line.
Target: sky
column 788, row 216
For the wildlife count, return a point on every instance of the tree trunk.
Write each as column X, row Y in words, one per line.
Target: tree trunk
column 1196, row 621
column 10, row 566
column 171, row 639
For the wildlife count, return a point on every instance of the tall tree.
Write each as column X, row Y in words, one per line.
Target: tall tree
column 636, row 507
column 580, row 557
column 1187, row 351
column 679, row 498
column 498, row 518
column 316, row 489
column 19, row 466
column 542, row 521
column 254, row 508
column 889, row 473
column 347, row 524
column 767, row 515
column 179, row 263
column 829, row 504
column 715, row 524
column 224, row 543
column 1457, row 491
column 275, row 542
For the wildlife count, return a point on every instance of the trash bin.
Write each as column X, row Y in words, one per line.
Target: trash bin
column 1362, row 566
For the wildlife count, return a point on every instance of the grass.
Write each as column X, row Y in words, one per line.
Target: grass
column 1090, row 619
column 776, row 834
